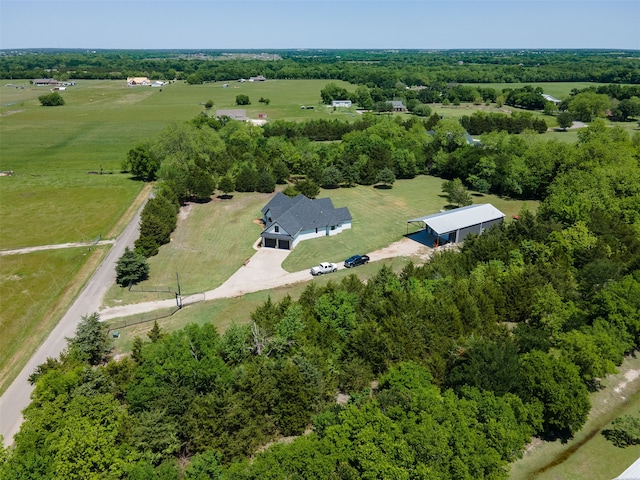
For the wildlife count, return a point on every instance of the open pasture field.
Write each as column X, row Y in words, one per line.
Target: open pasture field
column 285, row 98
column 213, row 240
column 56, row 193
column 35, row 290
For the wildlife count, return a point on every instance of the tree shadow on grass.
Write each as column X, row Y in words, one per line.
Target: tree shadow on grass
column 383, row 187
column 224, row 197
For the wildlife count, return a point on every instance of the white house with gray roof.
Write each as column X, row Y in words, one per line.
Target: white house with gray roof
column 291, row 220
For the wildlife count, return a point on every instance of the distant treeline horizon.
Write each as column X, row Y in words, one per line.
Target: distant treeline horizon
column 371, row 67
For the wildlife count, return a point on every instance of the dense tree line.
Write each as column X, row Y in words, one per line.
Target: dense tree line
column 381, row 69
column 450, row 367
column 482, row 122
column 620, row 102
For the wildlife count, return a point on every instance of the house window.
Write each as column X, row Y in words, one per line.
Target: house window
column 276, row 229
column 333, row 227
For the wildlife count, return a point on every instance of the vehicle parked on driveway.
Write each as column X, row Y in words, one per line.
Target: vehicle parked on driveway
column 356, row 260
column 324, row 267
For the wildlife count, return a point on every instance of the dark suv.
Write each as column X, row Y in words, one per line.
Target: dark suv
column 356, row 260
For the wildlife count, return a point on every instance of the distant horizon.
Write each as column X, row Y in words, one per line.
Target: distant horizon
column 320, row 24
column 290, row 49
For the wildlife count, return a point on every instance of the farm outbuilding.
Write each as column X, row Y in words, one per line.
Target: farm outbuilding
column 452, row 226
column 45, row 82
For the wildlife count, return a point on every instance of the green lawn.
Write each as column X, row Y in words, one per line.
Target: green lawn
column 380, row 218
column 224, row 312
column 215, row 238
column 208, row 245
column 35, row 289
column 588, row 456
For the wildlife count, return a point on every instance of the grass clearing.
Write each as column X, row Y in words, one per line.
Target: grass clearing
column 589, row 456
column 213, row 240
column 224, row 312
column 560, row 90
column 380, row 218
column 36, row 289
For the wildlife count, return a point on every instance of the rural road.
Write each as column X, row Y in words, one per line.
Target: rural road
column 262, row 272
column 17, row 396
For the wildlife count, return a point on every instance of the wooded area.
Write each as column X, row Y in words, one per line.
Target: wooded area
column 472, row 353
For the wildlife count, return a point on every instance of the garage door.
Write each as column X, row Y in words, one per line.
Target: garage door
column 283, row 244
column 270, row 242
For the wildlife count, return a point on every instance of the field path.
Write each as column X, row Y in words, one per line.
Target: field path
column 18, row 251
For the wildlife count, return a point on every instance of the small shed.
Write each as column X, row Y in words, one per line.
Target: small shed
column 454, row 225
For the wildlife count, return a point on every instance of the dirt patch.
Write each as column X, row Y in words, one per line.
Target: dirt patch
column 184, row 212
column 9, row 112
column 629, row 376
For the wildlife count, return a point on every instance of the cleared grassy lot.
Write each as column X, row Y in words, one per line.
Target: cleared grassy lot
column 589, row 456
column 213, row 240
column 35, row 290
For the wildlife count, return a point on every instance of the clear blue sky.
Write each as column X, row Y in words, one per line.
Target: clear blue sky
column 267, row 24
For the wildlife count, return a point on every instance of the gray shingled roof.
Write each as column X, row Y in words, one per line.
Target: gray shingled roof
column 301, row 213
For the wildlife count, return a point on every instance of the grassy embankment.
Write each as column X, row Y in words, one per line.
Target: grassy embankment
column 589, row 455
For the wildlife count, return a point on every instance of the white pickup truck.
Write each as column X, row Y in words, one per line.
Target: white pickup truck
column 324, row 267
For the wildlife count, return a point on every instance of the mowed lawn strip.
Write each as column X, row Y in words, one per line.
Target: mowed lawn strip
column 589, row 455
column 226, row 311
column 380, row 218
column 36, row 289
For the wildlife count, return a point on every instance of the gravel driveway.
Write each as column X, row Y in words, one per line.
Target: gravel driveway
column 263, row 272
